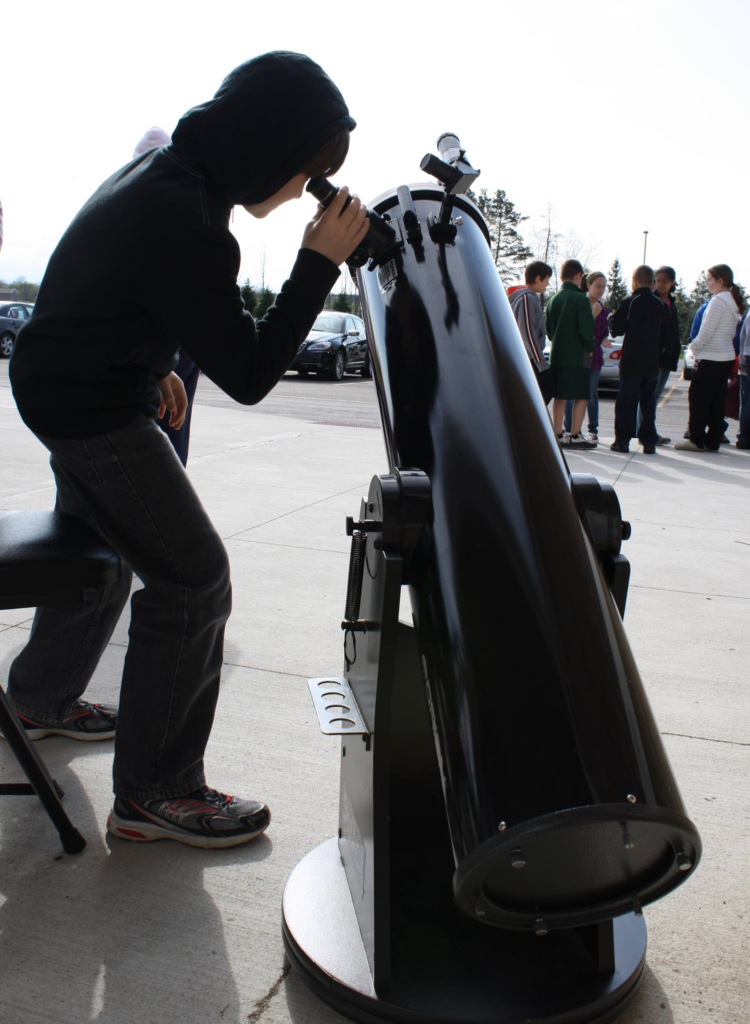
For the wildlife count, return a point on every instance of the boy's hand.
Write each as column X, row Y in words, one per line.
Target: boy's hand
column 334, row 234
column 174, row 399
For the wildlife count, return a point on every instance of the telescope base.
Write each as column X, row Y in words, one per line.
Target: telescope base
column 446, row 968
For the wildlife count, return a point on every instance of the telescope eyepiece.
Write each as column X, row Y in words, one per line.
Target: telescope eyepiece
column 323, row 190
column 380, row 237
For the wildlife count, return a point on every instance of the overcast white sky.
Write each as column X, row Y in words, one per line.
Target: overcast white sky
column 626, row 116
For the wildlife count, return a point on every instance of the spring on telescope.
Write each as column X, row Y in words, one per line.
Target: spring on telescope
column 356, row 573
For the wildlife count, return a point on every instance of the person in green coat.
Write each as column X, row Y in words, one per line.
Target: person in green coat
column 570, row 327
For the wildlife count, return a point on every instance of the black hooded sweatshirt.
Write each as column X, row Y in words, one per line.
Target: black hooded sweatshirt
column 149, row 264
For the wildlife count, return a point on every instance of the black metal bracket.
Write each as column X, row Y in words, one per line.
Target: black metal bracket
column 599, row 509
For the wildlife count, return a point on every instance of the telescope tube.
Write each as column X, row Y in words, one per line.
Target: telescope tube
column 561, row 803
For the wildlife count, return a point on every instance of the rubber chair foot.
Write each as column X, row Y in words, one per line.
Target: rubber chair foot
column 73, row 842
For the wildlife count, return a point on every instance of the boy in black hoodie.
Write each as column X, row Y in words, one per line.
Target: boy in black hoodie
column 91, row 372
column 644, row 320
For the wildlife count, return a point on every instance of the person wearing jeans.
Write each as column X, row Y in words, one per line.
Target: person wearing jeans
column 713, row 348
column 130, row 487
column 642, row 319
column 594, row 285
column 665, row 280
column 91, row 376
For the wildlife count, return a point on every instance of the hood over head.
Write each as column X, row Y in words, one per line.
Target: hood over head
column 270, row 116
column 153, row 138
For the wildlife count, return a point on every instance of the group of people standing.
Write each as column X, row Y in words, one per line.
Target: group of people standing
column 580, row 327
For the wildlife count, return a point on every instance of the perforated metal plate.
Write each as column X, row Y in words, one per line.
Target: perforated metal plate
column 336, row 707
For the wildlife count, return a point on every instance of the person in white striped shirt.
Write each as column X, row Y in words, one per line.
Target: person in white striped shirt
column 713, row 348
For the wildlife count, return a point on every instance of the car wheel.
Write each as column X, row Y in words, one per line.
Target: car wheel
column 303, row 373
column 339, row 366
column 366, row 370
column 7, row 342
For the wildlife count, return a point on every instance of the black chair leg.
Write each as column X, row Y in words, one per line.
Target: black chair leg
column 39, row 777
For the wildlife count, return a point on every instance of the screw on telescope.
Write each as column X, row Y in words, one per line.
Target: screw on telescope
column 540, row 928
column 517, row 859
column 627, row 530
column 502, row 826
column 626, row 837
column 632, row 799
column 637, row 908
column 363, row 525
column 478, row 910
column 684, row 863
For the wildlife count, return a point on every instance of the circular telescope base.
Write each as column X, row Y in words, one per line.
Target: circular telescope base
column 447, row 969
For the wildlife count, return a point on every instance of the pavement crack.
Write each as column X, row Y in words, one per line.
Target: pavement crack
column 263, row 1003
column 292, row 511
column 253, row 444
column 708, row 739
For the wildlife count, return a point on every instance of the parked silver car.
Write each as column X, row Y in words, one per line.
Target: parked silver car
column 610, row 375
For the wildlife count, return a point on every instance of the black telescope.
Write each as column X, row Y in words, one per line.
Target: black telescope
column 500, row 761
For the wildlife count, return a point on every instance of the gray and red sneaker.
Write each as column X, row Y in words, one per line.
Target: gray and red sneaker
column 83, row 721
column 204, row 818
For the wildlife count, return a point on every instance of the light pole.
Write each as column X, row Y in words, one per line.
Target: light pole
column 645, row 243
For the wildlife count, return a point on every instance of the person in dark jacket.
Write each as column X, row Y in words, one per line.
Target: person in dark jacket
column 93, row 371
column 643, row 319
column 665, row 280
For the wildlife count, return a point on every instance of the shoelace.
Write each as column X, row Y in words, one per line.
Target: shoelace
column 213, row 796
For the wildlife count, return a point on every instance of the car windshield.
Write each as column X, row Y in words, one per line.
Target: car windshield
column 334, row 324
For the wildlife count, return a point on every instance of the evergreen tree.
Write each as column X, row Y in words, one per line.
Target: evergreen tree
column 700, row 292
column 249, row 296
column 342, row 303
column 617, row 290
column 509, row 251
column 265, row 300
column 685, row 311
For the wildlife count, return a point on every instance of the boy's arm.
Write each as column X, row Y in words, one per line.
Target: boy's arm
column 586, row 325
column 619, row 319
column 697, row 321
column 526, row 327
column 548, row 324
column 245, row 359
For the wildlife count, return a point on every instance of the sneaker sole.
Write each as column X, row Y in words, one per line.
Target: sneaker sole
column 83, row 737
column 143, row 832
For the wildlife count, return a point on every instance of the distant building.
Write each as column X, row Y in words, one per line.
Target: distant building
column 7, row 294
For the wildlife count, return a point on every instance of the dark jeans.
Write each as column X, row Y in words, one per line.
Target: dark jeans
column 189, row 374
column 743, row 434
column 592, row 408
column 545, row 382
column 130, row 486
column 632, row 393
column 707, row 399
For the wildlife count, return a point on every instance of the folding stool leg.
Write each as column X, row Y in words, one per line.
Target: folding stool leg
column 38, row 775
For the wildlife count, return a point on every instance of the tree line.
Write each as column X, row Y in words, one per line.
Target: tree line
column 27, row 291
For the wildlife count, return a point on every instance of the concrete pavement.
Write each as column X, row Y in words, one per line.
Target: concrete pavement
column 162, row 933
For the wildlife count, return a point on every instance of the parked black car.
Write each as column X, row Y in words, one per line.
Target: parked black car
column 336, row 345
column 13, row 315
